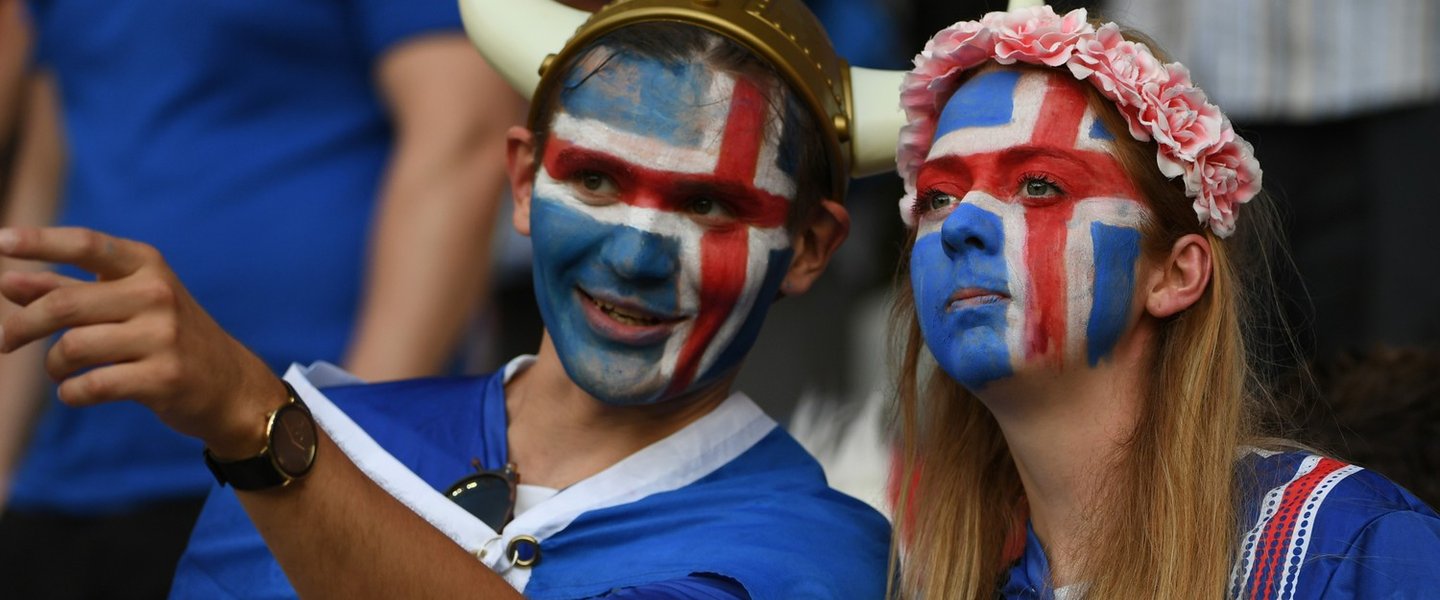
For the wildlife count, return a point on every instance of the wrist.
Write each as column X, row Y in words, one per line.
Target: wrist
column 291, row 443
column 245, row 426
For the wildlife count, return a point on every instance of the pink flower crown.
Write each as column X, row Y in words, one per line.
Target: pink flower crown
column 1158, row 101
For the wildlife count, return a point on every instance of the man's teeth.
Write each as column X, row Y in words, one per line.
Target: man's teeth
column 620, row 315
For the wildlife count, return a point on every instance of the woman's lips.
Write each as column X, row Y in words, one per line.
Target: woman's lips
column 974, row 297
column 625, row 322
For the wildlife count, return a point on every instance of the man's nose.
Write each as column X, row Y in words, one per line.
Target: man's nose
column 636, row 254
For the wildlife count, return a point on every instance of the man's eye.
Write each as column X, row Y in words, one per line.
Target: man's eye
column 940, row 200
column 597, row 182
column 703, row 206
column 707, row 208
column 1039, row 186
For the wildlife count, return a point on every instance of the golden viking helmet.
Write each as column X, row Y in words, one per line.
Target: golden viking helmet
column 857, row 109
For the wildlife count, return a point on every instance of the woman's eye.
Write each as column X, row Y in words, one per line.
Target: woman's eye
column 1039, row 187
column 938, row 201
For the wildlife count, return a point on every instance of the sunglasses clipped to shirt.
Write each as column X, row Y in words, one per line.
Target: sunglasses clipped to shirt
column 489, row 494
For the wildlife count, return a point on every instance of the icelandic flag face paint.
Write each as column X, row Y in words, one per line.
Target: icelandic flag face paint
column 1028, row 234
column 658, row 220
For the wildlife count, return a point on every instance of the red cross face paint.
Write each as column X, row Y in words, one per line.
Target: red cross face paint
column 658, row 219
column 1028, row 232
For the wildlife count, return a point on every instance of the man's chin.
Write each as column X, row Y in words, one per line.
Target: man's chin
column 623, row 389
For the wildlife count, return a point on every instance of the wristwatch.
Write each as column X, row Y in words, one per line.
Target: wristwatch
column 290, row 446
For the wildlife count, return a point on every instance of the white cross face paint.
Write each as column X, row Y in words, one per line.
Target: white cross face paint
column 658, row 217
column 1028, row 237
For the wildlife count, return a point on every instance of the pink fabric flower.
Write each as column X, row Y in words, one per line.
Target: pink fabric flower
column 1184, row 124
column 1225, row 178
column 1125, row 72
column 1037, row 35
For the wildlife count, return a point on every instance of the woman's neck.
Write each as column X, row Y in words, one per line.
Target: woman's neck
column 1065, row 431
column 559, row 434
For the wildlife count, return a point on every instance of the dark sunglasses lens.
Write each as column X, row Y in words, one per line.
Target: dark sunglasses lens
column 486, row 495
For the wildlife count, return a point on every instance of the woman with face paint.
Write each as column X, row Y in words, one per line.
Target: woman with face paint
column 1089, row 425
column 682, row 169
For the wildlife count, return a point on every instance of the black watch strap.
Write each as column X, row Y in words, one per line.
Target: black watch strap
column 254, row 473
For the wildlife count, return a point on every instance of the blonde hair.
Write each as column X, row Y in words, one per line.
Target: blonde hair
column 1168, row 524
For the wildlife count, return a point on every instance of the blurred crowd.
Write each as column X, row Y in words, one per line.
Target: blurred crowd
column 338, row 170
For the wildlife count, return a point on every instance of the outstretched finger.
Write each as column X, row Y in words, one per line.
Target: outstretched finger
column 24, row 287
column 88, row 303
column 94, row 345
column 108, row 256
column 109, row 383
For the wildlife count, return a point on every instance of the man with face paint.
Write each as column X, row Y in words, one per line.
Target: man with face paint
column 655, row 264
column 674, row 185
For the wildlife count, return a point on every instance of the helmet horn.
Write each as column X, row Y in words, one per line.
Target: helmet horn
column 515, row 36
column 875, row 96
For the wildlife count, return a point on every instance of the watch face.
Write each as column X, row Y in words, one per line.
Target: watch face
column 292, row 441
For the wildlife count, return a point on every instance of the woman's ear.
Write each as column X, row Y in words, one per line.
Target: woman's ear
column 815, row 244
column 1178, row 280
column 520, row 161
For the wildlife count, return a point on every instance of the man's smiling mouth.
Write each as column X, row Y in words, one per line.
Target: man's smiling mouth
column 626, row 315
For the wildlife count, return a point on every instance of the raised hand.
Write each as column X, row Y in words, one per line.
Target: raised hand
column 135, row 333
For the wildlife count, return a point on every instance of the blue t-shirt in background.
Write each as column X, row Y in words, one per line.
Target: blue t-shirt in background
column 243, row 139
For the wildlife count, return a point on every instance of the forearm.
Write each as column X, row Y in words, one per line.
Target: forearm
column 21, row 389
column 14, row 61
column 430, row 252
column 30, row 199
column 428, row 270
column 338, row 535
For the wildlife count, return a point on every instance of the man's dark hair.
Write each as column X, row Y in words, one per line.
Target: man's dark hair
column 678, row 43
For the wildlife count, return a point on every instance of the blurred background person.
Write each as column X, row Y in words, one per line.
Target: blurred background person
column 323, row 176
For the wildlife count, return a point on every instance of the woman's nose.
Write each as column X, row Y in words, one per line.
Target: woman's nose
column 972, row 229
column 641, row 255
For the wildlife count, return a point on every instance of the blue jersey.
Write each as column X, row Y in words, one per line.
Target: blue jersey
column 1315, row 528
column 731, row 496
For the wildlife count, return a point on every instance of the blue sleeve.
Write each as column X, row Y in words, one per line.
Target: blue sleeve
column 694, row 587
column 1396, row 556
column 383, row 23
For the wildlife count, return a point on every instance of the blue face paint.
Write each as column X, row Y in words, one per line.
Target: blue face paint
column 965, row 258
column 1117, row 250
column 670, row 102
column 986, row 100
column 574, row 252
column 1099, row 132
